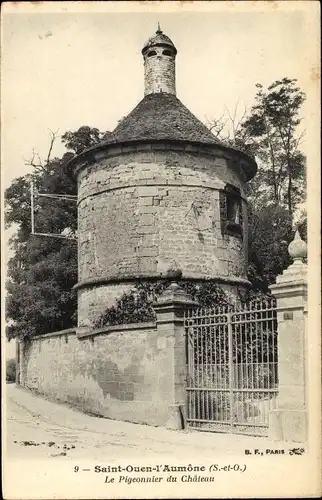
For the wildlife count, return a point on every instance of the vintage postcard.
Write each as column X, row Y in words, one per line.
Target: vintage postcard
column 160, row 250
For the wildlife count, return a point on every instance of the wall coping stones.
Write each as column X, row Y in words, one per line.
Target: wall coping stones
column 174, row 295
column 68, row 331
column 85, row 332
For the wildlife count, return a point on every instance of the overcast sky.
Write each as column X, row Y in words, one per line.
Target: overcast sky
column 65, row 70
column 68, row 69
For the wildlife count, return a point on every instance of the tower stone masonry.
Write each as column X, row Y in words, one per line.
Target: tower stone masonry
column 161, row 193
column 159, row 55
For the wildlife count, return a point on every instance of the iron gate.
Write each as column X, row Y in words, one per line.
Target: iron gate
column 232, row 376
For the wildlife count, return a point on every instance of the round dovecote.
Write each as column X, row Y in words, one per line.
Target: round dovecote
column 161, row 194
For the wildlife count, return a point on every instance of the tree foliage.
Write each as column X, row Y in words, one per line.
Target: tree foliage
column 11, row 370
column 85, row 137
column 229, row 128
column 271, row 128
column 270, row 232
column 270, row 132
column 43, row 270
column 136, row 306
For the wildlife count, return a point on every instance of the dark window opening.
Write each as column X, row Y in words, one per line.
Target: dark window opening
column 152, row 53
column 167, row 52
column 231, row 211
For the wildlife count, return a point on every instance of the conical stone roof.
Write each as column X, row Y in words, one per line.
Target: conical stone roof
column 161, row 117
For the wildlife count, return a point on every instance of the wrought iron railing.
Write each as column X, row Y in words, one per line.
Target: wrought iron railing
column 232, row 377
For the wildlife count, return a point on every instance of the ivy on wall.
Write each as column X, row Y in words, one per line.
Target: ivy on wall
column 136, row 306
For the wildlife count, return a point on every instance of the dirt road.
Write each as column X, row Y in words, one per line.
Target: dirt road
column 40, row 428
column 53, row 451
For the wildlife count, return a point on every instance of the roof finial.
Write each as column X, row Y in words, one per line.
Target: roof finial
column 159, row 31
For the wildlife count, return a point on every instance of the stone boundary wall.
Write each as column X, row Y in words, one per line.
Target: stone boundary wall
column 121, row 372
column 134, row 372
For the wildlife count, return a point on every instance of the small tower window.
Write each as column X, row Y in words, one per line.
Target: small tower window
column 231, row 213
column 167, row 53
column 152, row 53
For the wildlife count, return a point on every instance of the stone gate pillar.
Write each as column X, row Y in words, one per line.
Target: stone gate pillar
column 289, row 421
column 170, row 309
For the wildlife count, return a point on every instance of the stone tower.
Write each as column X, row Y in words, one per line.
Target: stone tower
column 161, row 193
column 159, row 55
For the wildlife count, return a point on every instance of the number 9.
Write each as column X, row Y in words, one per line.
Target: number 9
column 76, row 468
